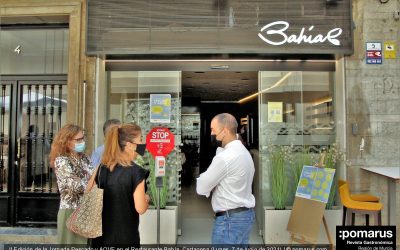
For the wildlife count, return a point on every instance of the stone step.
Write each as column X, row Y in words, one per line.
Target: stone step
column 28, row 235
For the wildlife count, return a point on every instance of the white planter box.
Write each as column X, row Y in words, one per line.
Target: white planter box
column 168, row 226
column 276, row 221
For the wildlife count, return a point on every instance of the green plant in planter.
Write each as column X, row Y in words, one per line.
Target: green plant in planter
column 299, row 160
column 148, row 162
column 332, row 157
column 277, row 173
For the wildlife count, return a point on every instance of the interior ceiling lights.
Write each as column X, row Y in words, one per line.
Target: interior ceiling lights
column 280, row 81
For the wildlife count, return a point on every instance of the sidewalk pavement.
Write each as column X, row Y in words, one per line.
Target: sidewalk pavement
column 27, row 235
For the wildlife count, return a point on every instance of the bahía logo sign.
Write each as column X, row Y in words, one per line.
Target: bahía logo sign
column 280, row 36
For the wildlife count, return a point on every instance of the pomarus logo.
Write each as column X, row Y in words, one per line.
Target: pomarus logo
column 280, row 36
column 344, row 234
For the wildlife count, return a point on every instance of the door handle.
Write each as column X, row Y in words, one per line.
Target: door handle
column 16, row 162
column 18, row 148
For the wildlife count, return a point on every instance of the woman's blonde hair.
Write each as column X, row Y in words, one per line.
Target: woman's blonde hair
column 116, row 139
column 61, row 140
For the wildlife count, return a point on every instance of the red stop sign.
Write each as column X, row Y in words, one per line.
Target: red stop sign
column 160, row 141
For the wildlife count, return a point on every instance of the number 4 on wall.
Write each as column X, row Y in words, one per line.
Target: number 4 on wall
column 18, row 49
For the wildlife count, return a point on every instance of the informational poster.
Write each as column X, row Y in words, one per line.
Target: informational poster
column 160, row 108
column 389, row 51
column 315, row 183
column 275, row 112
column 374, row 53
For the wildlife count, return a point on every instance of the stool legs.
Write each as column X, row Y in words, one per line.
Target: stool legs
column 350, row 216
column 379, row 214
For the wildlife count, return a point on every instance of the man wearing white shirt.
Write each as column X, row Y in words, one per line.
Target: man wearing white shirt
column 98, row 152
column 229, row 178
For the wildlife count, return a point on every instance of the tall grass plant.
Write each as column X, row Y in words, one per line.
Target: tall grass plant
column 332, row 157
column 278, row 176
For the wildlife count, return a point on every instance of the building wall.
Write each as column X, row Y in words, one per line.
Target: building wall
column 80, row 67
column 373, row 100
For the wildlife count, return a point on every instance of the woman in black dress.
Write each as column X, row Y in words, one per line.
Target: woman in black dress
column 124, row 187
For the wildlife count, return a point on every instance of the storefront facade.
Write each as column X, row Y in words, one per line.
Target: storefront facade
column 294, row 59
column 120, row 52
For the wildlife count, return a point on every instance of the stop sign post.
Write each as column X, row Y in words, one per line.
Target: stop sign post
column 160, row 142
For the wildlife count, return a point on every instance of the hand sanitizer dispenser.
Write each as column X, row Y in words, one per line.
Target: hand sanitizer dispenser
column 159, row 166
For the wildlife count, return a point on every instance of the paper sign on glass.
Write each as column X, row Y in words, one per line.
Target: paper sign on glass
column 315, row 183
column 275, row 110
column 160, row 108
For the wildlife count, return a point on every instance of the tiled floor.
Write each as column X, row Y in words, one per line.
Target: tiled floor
column 198, row 218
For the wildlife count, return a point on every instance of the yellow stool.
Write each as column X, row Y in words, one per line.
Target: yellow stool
column 361, row 207
column 357, row 197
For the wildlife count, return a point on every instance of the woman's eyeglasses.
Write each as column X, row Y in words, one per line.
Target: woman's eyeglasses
column 80, row 139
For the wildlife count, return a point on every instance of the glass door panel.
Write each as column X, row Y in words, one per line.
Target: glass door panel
column 43, row 112
column 297, row 122
column 5, row 121
column 129, row 101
